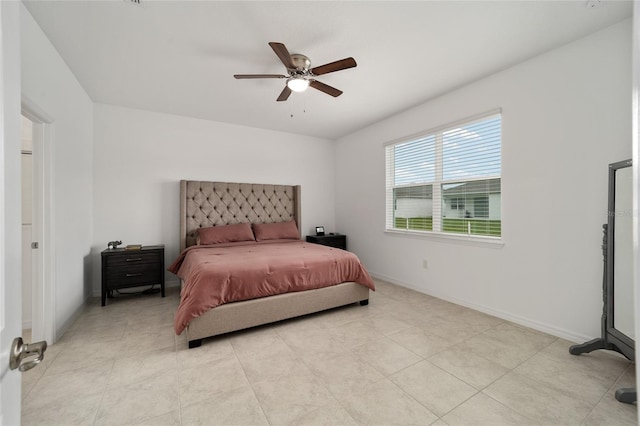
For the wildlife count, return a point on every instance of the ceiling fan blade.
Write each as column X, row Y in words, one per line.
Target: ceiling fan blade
column 325, row 88
column 243, row 76
column 284, row 95
column 283, row 54
column 342, row 64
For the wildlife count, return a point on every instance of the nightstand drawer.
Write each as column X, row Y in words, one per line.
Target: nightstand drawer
column 146, row 270
column 132, row 257
column 336, row 240
column 126, row 277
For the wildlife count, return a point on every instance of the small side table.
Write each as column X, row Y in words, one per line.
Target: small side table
column 123, row 268
column 335, row 240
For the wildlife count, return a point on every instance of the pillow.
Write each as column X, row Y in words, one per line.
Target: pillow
column 225, row 234
column 275, row 231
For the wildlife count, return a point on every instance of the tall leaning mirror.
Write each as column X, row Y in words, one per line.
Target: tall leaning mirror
column 621, row 256
column 618, row 332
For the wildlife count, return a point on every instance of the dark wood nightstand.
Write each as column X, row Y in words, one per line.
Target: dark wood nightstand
column 336, row 240
column 123, row 268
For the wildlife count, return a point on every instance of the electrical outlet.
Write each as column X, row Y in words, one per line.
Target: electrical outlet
column 425, row 264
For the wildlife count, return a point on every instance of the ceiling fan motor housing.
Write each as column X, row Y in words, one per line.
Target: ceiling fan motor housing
column 301, row 62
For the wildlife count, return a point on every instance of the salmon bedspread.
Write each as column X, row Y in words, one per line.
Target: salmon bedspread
column 224, row 273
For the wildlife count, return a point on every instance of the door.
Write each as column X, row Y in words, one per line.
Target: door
column 10, row 289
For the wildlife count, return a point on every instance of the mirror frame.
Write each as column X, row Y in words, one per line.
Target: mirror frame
column 623, row 343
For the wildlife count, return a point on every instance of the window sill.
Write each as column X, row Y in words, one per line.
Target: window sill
column 478, row 241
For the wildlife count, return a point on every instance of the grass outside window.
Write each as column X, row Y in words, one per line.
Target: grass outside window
column 485, row 227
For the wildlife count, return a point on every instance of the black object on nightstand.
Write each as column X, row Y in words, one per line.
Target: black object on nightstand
column 122, row 268
column 335, row 240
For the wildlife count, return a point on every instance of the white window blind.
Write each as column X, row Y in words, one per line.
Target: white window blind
column 447, row 181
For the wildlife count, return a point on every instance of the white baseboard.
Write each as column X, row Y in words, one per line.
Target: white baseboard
column 517, row 319
column 60, row 332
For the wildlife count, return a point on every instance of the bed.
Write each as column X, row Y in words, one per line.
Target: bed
column 217, row 204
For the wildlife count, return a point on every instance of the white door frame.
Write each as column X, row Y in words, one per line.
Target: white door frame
column 43, row 260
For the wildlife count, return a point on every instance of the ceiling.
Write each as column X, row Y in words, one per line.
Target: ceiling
column 179, row 57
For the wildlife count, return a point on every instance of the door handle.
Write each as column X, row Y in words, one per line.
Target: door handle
column 26, row 356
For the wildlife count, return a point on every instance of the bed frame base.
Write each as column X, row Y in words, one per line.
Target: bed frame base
column 250, row 313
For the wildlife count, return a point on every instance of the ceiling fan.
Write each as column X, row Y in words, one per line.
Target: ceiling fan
column 300, row 76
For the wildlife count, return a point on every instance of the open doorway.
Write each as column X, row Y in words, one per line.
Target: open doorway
column 38, row 250
column 27, row 226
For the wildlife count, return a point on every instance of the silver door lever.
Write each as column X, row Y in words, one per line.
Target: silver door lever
column 26, row 356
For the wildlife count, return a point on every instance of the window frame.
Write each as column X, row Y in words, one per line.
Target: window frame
column 472, row 239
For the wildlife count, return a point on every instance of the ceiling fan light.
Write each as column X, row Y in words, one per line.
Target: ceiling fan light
column 298, row 84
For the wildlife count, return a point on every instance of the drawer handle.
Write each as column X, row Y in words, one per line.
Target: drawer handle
column 134, row 275
column 134, row 259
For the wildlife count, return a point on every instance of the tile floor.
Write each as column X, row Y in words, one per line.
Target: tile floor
column 406, row 358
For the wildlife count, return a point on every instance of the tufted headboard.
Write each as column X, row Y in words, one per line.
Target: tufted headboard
column 204, row 204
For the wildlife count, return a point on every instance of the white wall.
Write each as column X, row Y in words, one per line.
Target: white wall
column 141, row 156
column 566, row 115
column 49, row 84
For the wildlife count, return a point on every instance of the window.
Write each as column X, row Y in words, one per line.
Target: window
column 481, row 206
column 457, row 203
column 447, row 181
